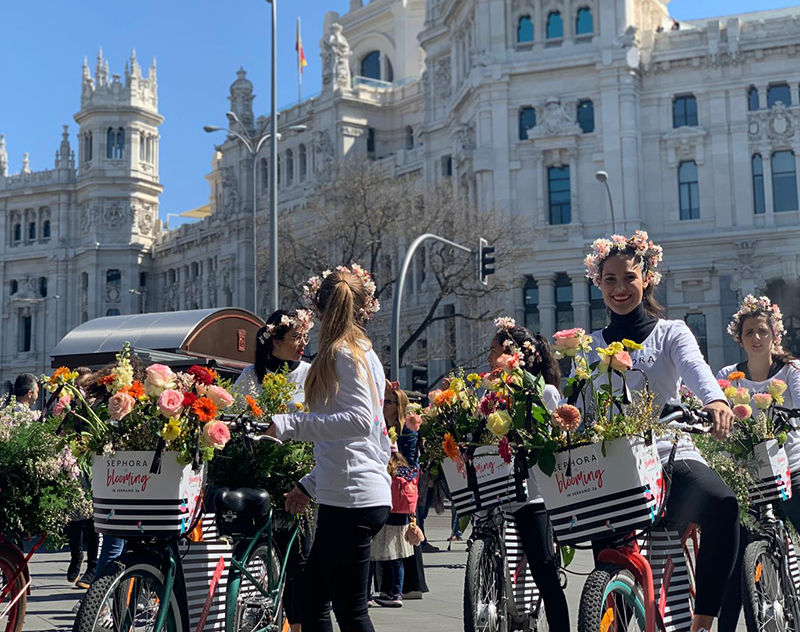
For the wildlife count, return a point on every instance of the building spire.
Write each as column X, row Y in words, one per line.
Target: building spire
column 86, row 73
column 3, row 156
column 26, row 163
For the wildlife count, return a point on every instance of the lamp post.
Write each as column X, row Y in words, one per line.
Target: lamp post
column 602, row 177
column 253, row 145
column 273, row 192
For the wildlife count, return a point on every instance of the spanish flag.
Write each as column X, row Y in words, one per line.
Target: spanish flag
column 301, row 55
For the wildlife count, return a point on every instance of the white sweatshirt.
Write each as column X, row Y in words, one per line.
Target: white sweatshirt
column 790, row 373
column 247, row 383
column 668, row 354
column 351, row 442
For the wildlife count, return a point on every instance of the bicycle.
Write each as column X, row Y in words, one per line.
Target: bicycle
column 499, row 592
column 769, row 568
column 146, row 588
column 15, row 582
column 628, row 591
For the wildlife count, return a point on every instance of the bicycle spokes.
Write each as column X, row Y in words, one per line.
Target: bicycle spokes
column 488, row 606
column 769, row 591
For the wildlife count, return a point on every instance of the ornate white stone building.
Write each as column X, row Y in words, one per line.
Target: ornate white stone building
column 519, row 102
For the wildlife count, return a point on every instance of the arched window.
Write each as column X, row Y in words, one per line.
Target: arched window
column 688, row 189
column 759, row 206
column 524, row 30
column 531, row 300
column 111, row 141
column 586, row 116
column 46, row 229
column 409, row 137
column 779, row 92
column 555, row 25
column 584, row 25
column 119, row 152
column 371, row 65
column 752, row 99
column 43, row 286
column 303, row 159
column 31, row 231
column 784, row 181
column 289, row 166
column 17, row 232
column 527, row 121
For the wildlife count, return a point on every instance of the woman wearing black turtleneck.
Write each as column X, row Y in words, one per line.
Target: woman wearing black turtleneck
column 625, row 272
column 279, row 346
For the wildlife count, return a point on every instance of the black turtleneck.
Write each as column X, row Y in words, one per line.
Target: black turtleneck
column 274, row 365
column 776, row 366
column 635, row 325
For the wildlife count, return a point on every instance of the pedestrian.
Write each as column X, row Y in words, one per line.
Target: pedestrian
column 533, row 525
column 280, row 345
column 25, row 392
column 351, row 446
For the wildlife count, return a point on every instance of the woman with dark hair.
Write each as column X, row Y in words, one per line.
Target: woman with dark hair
column 533, row 525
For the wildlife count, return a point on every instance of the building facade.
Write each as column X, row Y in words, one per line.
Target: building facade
column 520, row 103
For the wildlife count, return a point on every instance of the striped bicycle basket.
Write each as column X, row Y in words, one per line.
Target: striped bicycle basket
column 131, row 502
column 769, row 465
column 602, row 493
column 672, row 581
column 526, row 594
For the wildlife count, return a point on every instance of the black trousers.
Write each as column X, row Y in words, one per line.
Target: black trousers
column 295, row 568
column 80, row 532
column 536, row 533
column 337, row 572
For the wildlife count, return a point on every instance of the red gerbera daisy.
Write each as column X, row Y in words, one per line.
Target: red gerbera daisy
column 202, row 375
column 189, row 399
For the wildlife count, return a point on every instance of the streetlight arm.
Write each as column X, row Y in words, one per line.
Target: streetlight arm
column 209, row 129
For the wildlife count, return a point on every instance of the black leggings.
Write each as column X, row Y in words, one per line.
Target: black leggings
column 295, row 568
column 338, row 569
column 80, row 532
column 536, row 533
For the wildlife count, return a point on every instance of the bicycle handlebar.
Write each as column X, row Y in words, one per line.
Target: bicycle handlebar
column 680, row 417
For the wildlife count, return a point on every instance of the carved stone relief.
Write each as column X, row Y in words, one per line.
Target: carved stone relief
column 555, row 119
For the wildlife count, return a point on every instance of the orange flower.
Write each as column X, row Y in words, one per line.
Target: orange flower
column 204, row 409
column 257, row 412
column 451, row 448
column 135, row 390
column 59, row 372
column 443, row 398
column 736, row 375
column 106, row 380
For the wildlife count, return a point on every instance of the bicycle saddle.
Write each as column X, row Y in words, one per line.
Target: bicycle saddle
column 244, row 501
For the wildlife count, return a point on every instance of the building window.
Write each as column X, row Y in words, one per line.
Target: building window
column 527, row 121
column 87, row 147
column 689, row 190
column 389, row 71
column 111, row 140
column 43, row 287
column 559, row 194
column 149, row 152
column 280, row 165
column 421, row 272
column 303, row 157
column 409, row 137
column 264, row 174
column 564, row 314
column 598, row 315
column 114, row 277
column 289, row 166
column 784, row 181
column 752, row 99
column 31, row 231
column 584, row 25
column 684, row 112
column 112, row 312
column 142, row 144
column 525, row 30
column 697, row 324
column 17, row 232
column 143, row 279
column 779, row 92
column 119, row 150
column 371, row 141
column 371, row 65
column 447, row 166
column 555, row 25
column 531, row 299
column 13, row 287
column 759, row 206
column 85, row 281
column 25, row 333
column 46, row 229
column 586, row 116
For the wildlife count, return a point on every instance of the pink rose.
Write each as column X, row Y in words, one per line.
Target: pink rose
column 742, row 412
column 723, row 384
column 621, row 361
column 568, row 338
column 170, row 403
column 762, row 400
column 215, row 434
column 508, row 362
column 62, row 405
column 159, row 378
column 413, row 421
column 120, row 405
column 219, row 396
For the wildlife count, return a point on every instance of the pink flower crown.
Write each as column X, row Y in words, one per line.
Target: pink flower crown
column 368, row 311
column 504, row 325
column 643, row 246
column 750, row 305
column 303, row 322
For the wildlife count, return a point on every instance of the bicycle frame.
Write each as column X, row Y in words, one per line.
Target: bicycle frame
column 22, row 569
column 772, row 529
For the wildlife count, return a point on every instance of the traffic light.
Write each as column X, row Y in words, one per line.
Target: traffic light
column 485, row 261
column 419, row 378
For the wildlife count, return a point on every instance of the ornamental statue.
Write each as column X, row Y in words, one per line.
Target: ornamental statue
column 336, row 58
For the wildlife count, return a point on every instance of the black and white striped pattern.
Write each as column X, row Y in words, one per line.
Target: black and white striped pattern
column 770, row 489
column 664, row 550
column 793, row 567
column 131, row 518
column 494, row 493
column 598, row 518
column 526, row 594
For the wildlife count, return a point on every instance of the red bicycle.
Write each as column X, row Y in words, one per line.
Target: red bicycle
column 15, row 583
column 645, row 581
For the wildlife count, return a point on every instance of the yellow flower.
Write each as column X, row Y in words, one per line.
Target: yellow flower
column 456, row 385
column 298, row 406
column 777, row 388
column 730, row 392
column 393, row 435
column 499, row 423
column 582, row 374
column 474, row 378
column 171, row 430
column 631, row 345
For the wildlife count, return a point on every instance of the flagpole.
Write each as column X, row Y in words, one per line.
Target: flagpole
column 299, row 65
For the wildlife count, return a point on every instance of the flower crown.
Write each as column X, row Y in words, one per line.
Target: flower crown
column 302, row 321
column 314, row 283
column 504, row 325
column 643, row 246
column 750, row 305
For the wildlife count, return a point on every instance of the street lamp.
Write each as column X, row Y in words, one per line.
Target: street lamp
column 602, row 176
column 253, row 146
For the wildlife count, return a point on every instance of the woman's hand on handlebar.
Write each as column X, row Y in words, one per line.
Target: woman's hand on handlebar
column 296, row 501
column 721, row 419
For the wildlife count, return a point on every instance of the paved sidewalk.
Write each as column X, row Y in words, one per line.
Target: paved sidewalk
column 440, row 610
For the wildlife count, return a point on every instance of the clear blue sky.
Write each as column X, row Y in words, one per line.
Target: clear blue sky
column 199, row 45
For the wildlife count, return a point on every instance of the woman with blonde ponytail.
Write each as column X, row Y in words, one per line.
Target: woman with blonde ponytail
column 344, row 392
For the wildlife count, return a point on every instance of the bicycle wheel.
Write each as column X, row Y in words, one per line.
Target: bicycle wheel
column 611, row 600
column 483, row 588
column 254, row 611
column 14, row 620
column 125, row 597
column 764, row 592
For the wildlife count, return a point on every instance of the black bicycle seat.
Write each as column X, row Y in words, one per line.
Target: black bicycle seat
column 244, row 501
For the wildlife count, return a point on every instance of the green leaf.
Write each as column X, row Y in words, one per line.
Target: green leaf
column 463, row 523
column 569, row 387
column 552, row 446
column 547, row 462
column 567, row 555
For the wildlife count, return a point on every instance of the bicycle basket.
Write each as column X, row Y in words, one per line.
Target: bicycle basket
column 770, row 468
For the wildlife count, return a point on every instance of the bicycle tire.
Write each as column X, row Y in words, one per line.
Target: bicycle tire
column 244, row 621
column 763, row 592
column 610, row 593
column 483, row 609
column 109, row 595
column 9, row 563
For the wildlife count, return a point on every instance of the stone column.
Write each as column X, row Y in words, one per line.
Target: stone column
column 547, row 303
column 762, row 95
column 541, row 206
column 631, row 168
column 580, row 300
column 575, row 215
column 796, row 150
column 794, row 90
